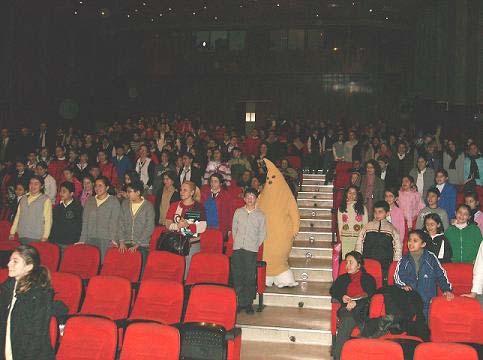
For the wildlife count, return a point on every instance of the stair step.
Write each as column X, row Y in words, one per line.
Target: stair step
column 311, row 252
column 315, row 223
column 287, row 325
column 306, row 175
column 322, row 188
column 312, row 269
column 314, row 195
column 262, row 350
column 309, row 295
column 315, row 229
column 307, row 235
column 311, row 212
column 315, row 203
column 315, row 181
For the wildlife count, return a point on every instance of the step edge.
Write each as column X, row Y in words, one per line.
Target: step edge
column 282, row 328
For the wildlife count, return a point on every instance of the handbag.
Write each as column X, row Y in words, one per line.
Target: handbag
column 174, row 242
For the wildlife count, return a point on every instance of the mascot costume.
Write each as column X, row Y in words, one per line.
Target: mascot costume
column 283, row 221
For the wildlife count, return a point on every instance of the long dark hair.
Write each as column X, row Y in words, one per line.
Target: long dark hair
column 39, row 276
column 437, row 219
column 359, row 204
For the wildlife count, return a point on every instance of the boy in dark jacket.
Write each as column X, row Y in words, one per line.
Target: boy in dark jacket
column 67, row 217
column 421, row 271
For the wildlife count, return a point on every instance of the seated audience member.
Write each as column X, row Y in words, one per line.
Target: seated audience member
column 409, row 201
column 165, row 196
column 94, row 171
column 238, row 164
column 20, row 192
column 473, row 167
column 188, row 172
column 49, row 181
column 67, row 217
column 160, row 169
column 353, row 291
column 464, row 237
column 421, row 271
column 352, row 216
column 87, row 189
column 453, row 162
column 423, row 175
column 129, row 177
column 395, row 215
column 107, row 168
column 402, row 162
column 121, row 162
column 477, row 288
column 217, row 165
column 69, row 177
column 379, row 239
column 372, row 187
column 32, row 161
column 217, row 203
column 288, row 172
column 472, row 200
column 136, row 221
column 58, row 164
column 245, row 180
column 82, row 167
column 432, row 198
column 256, row 184
column 437, row 242
column 249, row 231
column 387, row 174
column 33, row 220
column 447, row 199
column 145, row 166
column 45, row 156
column 355, row 179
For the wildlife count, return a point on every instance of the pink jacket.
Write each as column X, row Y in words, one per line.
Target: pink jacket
column 479, row 220
column 410, row 203
column 397, row 219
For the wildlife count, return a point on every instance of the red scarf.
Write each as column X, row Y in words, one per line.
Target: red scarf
column 355, row 287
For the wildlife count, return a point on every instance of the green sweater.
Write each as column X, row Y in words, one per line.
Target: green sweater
column 464, row 243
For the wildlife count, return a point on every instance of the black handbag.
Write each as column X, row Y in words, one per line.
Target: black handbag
column 202, row 342
column 174, row 242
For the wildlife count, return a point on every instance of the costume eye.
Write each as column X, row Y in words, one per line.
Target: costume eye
column 273, row 176
column 270, row 182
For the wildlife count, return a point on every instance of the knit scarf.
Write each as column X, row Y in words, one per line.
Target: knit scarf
column 474, row 171
column 454, row 156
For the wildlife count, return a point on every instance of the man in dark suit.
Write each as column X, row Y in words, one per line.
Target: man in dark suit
column 189, row 172
column 7, row 147
column 402, row 162
column 44, row 137
column 387, row 173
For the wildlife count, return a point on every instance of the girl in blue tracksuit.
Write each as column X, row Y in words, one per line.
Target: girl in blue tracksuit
column 421, row 271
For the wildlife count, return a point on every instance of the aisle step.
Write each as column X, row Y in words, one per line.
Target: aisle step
column 261, row 350
column 311, row 212
column 316, row 181
column 315, row 223
column 314, row 195
column 317, row 187
column 308, row 251
column 315, row 203
column 308, row 235
column 312, row 269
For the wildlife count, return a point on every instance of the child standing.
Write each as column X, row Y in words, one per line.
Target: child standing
column 351, row 218
column 421, row 271
column 465, row 238
column 395, row 215
column 432, row 198
column 20, row 191
column 379, row 240
column 448, row 192
column 472, row 200
column 249, row 231
column 409, row 201
column 438, row 244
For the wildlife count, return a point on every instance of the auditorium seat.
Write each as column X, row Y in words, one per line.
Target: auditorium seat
column 49, row 254
column 3, row 275
column 390, row 273
column 211, row 241
column 53, row 332
column 5, row 230
column 6, row 249
column 215, row 304
column 88, row 337
column 126, row 265
column 108, row 296
column 444, row 351
column 153, row 243
column 295, row 162
column 229, row 246
column 208, row 268
column 460, row 276
column 148, row 341
column 342, row 174
column 159, row 300
column 68, row 289
column 164, row 265
column 371, row 349
column 82, row 260
column 458, row 320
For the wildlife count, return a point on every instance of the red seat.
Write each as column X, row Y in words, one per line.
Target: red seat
column 160, row 301
column 215, row 304
column 151, row 198
column 211, row 241
column 459, row 320
column 3, row 275
column 68, row 289
column 234, row 190
column 371, row 349
column 460, row 276
column 126, row 265
column 158, row 230
column 229, row 246
column 295, row 162
column 82, row 260
column 342, row 174
column 88, row 338
column 108, row 296
column 390, row 273
column 237, row 203
column 441, row 351
column 49, row 254
column 4, row 230
column 147, row 341
column 164, row 265
column 208, row 268
column 9, row 245
column 53, row 332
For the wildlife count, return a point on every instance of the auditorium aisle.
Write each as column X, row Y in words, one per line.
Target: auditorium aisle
column 295, row 323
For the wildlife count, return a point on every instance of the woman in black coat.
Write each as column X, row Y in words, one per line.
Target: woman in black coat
column 165, row 196
column 26, row 303
column 353, row 290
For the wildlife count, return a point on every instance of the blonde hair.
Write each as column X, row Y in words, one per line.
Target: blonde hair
column 193, row 187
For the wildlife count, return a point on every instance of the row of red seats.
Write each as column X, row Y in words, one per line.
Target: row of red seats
column 376, row 349
column 158, row 301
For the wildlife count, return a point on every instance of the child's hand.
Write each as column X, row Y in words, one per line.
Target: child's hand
column 346, row 299
column 407, row 288
column 448, row 295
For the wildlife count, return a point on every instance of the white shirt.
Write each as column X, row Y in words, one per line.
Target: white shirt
column 401, row 156
column 383, row 175
column 440, row 187
column 478, row 272
column 68, row 202
column 8, row 340
column 50, row 188
column 185, row 175
column 142, row 170
column 420, row 181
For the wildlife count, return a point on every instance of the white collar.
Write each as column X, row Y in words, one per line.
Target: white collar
column 433, row 236
column 401, row 156
column 460, row 226
column 68, row 203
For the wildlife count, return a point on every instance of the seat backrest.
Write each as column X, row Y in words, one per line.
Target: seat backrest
column 4, row 230
column 159, row 300
column 442, row 351
column 9, row 245
column 377, row 307
column 458, row 320
column 68, row 289
column 390, row 273
column 3, row 275
column 126, row 265
column 88, row 338
column 211, row 241
column 49, row 254
column 148, row 341
column 164, row 265
column 53, row 331
column 82, row 260
column 460, row 276
column 373, row 267
column 295, row 162
column 108, row 296
column 208, row 268
column 212, row 304
column 158, row 230
column 371, row 349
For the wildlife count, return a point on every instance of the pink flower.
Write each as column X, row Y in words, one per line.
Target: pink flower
column 345, row 218
column 358, row 218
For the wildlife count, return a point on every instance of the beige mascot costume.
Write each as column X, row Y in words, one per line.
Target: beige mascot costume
column 283, row 221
